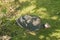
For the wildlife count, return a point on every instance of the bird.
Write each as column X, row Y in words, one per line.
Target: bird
column 31, row 22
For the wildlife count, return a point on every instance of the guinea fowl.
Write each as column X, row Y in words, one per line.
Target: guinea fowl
column 31, row 22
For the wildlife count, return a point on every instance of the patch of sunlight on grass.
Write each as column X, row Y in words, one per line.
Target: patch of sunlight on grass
column 27, row 10
column 45, row 16
column 33, row 2
column 10, row 0
column 41, row 37
column 43, row 13
column 1, row 3
column 23, row 1
column 7, row 1
column 5, row 5
column 32, row 33
column 32, row 11
column 56, row 34
column 47, row 38
column 58, row 30
column 42, row 10
column 4, row 1
column 54, row 17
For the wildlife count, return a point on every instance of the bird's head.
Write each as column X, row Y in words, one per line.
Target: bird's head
column 47, row 25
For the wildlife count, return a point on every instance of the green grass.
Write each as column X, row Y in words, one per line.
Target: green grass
column 48, row 10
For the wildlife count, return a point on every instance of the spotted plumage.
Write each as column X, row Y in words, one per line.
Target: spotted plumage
column 31, row 22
